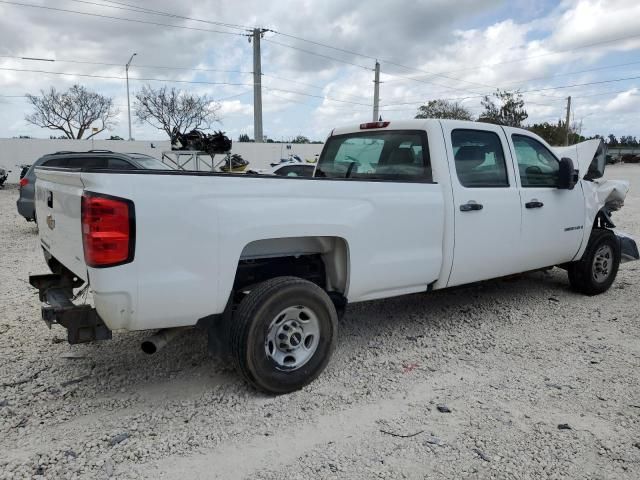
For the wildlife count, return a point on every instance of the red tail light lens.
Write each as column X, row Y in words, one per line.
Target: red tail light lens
column 367, row 126
column 108, row 230
column 23, row 182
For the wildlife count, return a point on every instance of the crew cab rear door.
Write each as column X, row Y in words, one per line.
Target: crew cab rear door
column 486, row 209
column 552, row 219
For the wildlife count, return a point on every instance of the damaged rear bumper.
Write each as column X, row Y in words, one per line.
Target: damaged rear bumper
column 82, row 322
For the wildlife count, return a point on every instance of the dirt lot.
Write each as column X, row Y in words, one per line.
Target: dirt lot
column 511, row 359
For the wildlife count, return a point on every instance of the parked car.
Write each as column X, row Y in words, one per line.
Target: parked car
column 97, row 159
column 23, row 170
column 291, row 169
column 267, row 265
column 3, row 176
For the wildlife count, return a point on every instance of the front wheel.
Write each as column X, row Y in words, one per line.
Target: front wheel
column 283, row 334
column 597, row 269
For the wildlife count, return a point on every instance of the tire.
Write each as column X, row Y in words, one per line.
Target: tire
column 597, row 269
column 283, row 334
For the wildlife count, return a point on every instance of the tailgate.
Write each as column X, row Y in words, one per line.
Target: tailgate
column 58, row 210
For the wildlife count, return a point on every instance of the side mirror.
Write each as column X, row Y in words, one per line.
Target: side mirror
column 567, row 175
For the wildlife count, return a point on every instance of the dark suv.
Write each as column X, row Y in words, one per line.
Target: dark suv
column 101, row 159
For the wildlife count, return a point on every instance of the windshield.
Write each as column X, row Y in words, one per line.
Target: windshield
column 376, row 155
column 150, row 163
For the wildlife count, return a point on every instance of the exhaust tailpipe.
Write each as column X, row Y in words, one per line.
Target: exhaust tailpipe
column 159, row 340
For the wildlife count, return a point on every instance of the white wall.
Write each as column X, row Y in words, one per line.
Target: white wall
column 18, row 151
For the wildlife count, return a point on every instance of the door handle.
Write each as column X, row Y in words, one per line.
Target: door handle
column 534, row 204
column 470, row 206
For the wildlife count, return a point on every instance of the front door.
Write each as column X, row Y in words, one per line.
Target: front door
column 487, row 211
column 552, row 219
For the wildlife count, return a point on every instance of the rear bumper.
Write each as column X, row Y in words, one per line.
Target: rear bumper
column 26, row 208
column 82, row 322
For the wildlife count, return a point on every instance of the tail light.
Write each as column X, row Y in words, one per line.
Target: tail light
column 23, row 182
column 367, row 126
column 108, row 230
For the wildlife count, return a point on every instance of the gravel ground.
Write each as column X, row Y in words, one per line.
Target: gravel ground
column 509, row 362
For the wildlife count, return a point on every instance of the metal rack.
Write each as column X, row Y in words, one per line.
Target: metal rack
column 194, row 160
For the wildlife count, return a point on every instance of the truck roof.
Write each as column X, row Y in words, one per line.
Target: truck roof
column 413, row 124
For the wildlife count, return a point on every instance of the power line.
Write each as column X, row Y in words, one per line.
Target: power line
column 159, row 67
column 323, row 97
column 446, row 87
column 475, row 67
column 82, row 62
column 110, row 77
column 113, row 77
column 442, row 74
column 533, row 90
column 43, row 7
column 318, row 54
column 311, row 85
column 134, row 8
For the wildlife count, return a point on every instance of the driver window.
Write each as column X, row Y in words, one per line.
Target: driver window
column 538, row 166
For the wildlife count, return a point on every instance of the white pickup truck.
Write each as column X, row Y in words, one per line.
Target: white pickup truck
column 266, row 265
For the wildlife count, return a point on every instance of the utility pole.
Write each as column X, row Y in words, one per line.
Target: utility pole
column 566, row 140
column 257, row 84
column 376, row 93
column 129, row 101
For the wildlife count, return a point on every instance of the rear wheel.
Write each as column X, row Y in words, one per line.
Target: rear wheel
column 283, row 334
column 597, row 269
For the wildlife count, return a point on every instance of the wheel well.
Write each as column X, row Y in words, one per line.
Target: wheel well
column 322, row 260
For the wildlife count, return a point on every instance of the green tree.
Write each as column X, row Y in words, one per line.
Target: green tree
column 300, row 139
column 555, row 134
column 443, row 109
column 244, row 138
column 504, row 108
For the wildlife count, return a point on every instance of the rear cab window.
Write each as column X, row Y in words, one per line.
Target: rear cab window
column 377, row 155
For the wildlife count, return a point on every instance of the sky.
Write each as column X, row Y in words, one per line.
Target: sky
column 318, row 58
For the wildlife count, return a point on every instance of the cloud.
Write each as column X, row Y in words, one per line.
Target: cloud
column 626, row 102
column 231, row 107
column 471, row 43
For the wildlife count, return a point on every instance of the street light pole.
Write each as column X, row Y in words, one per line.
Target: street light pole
column 128, row 101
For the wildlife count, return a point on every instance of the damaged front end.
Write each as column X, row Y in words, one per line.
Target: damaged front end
column 602, row 196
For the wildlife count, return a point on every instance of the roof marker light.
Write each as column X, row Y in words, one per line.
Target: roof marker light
column 367, row 126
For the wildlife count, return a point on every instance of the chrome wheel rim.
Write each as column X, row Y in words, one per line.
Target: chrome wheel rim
column 292, row 337
column 602, row 263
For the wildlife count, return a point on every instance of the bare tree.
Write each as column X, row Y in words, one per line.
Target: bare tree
column 169, row 109
column 73, row 112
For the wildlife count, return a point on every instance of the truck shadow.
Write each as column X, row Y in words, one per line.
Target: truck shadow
column 184, row 368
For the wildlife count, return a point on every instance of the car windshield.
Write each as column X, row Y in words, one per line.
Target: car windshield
column 150, row 163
